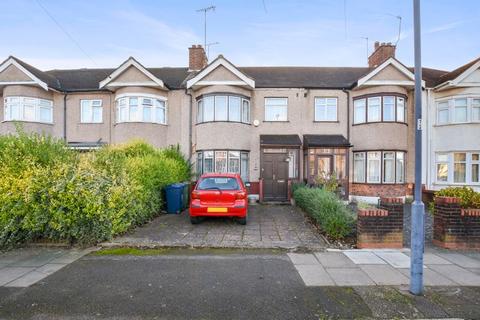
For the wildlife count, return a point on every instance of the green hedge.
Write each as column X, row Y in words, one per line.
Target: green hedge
column 48, row 191
column 331, row 214
column 469, row 198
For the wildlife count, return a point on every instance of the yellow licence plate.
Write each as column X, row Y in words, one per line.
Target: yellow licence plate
column 217, row 210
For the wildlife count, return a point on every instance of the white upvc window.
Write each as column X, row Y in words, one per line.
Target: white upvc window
column 230, row 108
column 460, row 110
column 400, row 167
column 276, row 109
column 475, row 168
column 28, row 109
column 401, row 110
column 91, row 111
column 388, row 108
column 359, row 113
column 223, row 161
column 326, row 109
column 458, row 168
column 373, row 167
column 443, row 113
column 374, row 109
column 379, row 167
column 389, row 167
column 359, row 167
column 475, row 109
column 141, row 109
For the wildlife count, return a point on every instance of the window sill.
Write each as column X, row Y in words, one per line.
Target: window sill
column 455, row 124
column 274, row 121
column 141, row 122
column 234, row 122
column 27, row 121
column 326, row 121
column 375, row 122
column 381, row 184
column 91, row 123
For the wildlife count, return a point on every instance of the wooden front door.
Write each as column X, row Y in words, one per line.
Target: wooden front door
column 275, row 176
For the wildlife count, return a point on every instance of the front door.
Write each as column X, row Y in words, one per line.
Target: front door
column 275, row 176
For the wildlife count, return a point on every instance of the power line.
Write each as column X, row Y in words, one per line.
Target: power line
column 65, row 31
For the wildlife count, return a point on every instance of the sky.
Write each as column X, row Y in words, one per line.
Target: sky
column 59, row 34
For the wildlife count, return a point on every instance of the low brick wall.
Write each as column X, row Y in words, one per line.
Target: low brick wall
column 454, row 227
column 381, row 227
column 379, row 190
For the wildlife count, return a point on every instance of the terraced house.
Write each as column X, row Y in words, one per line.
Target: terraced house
column 273, row 125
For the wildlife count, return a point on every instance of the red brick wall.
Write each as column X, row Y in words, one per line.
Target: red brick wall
column 454, row 227
column 379, row 190
column 254, row 188
column 382, row 227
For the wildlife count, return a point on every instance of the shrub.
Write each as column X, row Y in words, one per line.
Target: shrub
column 332, row 214
column 468, row 197
column 49, row 191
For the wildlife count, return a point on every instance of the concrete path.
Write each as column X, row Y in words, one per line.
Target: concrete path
column 192, row 284
column 269, row 226
column 24, row 267
column 385, row 267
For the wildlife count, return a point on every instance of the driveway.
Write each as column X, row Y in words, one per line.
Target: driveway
column 269, row 226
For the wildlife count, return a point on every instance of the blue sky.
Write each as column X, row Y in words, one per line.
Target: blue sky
column 308, row 33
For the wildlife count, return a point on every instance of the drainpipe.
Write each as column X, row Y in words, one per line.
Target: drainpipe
column 65, row 116
column 347, row 92
column 190, row 129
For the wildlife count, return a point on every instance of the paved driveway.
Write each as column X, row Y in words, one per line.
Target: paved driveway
column 269, row 226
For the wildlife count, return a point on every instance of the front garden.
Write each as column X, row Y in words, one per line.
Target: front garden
column 49, row 192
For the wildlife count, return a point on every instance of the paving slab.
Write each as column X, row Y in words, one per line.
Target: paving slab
column 334, row 260
column 50, row 268
column 363, row 257
column 432, row 258
column 431, row 278
column 27, row 279
column 9, row 274
column 459, row 275
column 462, row 260
column 314, row 275
column 303, row 258
column 349, row 277
column 395, row 259
column 384, row 274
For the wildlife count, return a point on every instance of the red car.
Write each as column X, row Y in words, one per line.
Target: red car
column 219, row 195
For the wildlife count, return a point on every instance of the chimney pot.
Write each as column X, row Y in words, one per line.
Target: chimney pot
column 382, row 51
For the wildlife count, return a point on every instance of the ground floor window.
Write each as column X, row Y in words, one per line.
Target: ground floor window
column 325, row 162
column 457, row 167
column 223, row 161
column 379, row 167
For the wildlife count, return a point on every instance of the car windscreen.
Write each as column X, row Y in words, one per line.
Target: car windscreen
column 218, row 183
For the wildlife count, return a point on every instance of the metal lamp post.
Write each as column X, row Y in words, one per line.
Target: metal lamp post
column 418, row 208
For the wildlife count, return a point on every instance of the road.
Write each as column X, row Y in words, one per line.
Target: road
column 179, row 285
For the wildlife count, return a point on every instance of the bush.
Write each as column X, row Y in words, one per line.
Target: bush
column 468, row 197
column 49, row 191
column 332, row 214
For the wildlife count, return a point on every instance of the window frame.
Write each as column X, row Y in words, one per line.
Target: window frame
column 243, row 155
column 245, row 106
column 450, row 162
column 124, row 102
column 91, row 107
column 381, row 96
column 21, row 103
column 365, row 161
column 326, row 106
column 275, row 105
column 450, row 106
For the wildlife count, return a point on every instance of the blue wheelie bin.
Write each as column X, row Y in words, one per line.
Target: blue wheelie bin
column 174, row 197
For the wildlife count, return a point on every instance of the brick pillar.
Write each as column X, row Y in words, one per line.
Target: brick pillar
column 454, row 227
column 381, row 227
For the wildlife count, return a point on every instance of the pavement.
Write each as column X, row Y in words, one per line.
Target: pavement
column 269, row 226
column 26, row 266
column 196, row 284
column 385, row 267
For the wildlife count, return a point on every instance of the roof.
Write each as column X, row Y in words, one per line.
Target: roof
column 325, row 140
column 455, row 73
column 280, row 140
column 264, row 77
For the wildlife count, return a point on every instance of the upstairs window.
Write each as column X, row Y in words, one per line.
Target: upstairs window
column 382, row 108
column 141, row 109
column 458, row 110
column 223, row 108
column 91, row 111
column 326, row 109
column 28, row 109
column 276, row 109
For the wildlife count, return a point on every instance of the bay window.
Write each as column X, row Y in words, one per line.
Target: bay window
column 230, row 108
column 223, row 161
column 379, row 108
column 276, row 109
column 458, row 110
column 28, row 109
column 326, row 109
column 91, row 111
column 458, row 167
column 379, row 167
column 141, row 109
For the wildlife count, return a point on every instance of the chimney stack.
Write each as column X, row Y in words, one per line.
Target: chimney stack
column 382, row 51
column 197, row 59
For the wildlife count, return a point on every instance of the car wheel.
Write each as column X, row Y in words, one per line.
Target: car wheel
column 242, row 221
column 195, row 220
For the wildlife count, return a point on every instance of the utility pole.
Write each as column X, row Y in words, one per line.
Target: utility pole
column 418, row 208
column 205, row 10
